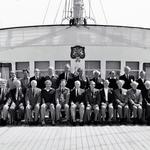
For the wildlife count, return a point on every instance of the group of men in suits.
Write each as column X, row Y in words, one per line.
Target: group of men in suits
column 87, row 100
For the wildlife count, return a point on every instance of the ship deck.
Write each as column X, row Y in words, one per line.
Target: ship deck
column 75, row 138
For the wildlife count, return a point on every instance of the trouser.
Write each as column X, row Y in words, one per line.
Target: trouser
column 89, row 111
column 137, row 111
column 123, row 111
column 104, row 108
column 29, row 110
column 58, row 111
column 73, row 111
column 46, row 106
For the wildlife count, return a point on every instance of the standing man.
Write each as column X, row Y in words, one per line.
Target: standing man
column 77, row 100
column 107, row 101
column 68, row 76
column 48, row 101
column 99, row 82
column 112, row 80
column 25, row 83
column 135, row 101
column 33, row 100
column 40, row 80
column 12, row 79
column 127, row 78
column 62, row 100
column 51, row 76
column 92, row 97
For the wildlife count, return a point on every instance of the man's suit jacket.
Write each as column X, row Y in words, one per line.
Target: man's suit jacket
column 92, row 97
column 63, row 96
column 121, row 96
column 3, row 96
column 127, row 81
column 110, row 96
column 112, row 83
column 134, row 96
column 12, row 95
column 40, row 82
column 70, row 80
column 99, row 83
column 146, row 98
column 141, row 85
column 77, row 99
column 35, row 98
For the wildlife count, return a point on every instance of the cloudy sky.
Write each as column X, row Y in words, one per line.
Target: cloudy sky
column 32, row 12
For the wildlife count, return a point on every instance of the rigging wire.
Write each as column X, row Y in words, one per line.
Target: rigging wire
column 46, row 12
column 57, row 12
column 103, row 10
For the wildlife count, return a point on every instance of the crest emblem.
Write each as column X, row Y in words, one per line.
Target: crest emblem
column 77, row 52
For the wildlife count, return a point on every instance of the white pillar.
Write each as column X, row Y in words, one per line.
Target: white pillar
column 103, row 69
column 140, row 65
column 123, row 64
column 32, row 68
column 13, row 66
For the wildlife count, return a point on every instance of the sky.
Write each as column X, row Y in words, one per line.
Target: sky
column 31, row 12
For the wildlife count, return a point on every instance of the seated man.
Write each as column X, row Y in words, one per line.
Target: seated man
column 77, row 99
column 135, row 101
column 62, row 100
column 122, row 101
column 146, row 101
column 107, row 101
column 33, row 100
column 48, row 101
column 3, row 101
column 92, row 98
column 16, row 107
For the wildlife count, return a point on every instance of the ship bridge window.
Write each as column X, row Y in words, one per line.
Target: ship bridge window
column 134, row 68
column 113, row 66
column 59, row 66
column 90, row 66
column 19, row 67
column 146, row 67
column 43, row 66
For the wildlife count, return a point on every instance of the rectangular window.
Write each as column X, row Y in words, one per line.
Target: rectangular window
column 19, row 67
column 90, row 66
column 59, row 66
column 113, row 66
column 146, row 68
column 42, row 66
column 134, row 68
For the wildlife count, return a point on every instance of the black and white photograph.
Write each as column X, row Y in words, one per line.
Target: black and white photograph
column 74, row 75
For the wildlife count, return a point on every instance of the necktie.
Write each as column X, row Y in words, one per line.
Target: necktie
column 33, row 92
column 120, row 91
column 17, row 90
column 76, row 92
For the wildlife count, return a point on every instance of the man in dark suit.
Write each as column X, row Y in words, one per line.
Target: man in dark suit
column 121, row 101
column 112, row 80
column 107, row 101
column 33, row 101
column 51, row 76
column 68, row 76
column 62, row 100
column 135, row 101
column 40, row 80
column 99, row 82
column 16, row 107
column 146, row 102
column 92, row 98
column 127, row 78
column 78, row 75
column 77, row 100
column 48, row 101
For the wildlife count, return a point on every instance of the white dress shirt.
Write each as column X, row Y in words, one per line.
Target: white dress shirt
column 106, row 93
